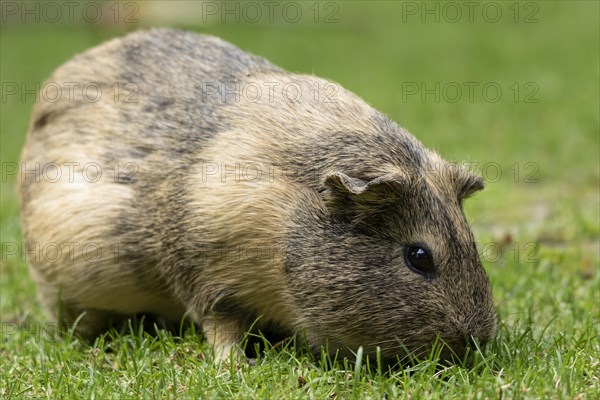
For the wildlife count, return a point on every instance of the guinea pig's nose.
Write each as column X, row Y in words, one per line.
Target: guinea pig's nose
column 473, row 342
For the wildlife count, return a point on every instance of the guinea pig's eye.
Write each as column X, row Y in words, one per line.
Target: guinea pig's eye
column 419, row 260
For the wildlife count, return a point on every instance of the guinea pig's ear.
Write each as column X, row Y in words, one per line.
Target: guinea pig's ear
column 355, row 199
column 469, row 184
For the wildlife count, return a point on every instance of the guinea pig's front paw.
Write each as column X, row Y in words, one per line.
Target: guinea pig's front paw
column 227, row 352
column 225, row 334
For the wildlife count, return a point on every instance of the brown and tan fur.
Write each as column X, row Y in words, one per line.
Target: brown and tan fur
column 314, row 245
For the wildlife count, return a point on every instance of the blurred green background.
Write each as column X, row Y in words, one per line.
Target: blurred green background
column 541, row 134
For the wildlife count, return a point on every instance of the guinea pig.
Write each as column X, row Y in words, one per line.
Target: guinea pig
column 171, row 173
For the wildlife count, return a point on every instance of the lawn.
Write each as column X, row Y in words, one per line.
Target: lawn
column 512, row 88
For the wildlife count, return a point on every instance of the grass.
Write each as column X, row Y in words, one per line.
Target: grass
column 537, row 225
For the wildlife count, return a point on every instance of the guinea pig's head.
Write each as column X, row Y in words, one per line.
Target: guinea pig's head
column 391, row 262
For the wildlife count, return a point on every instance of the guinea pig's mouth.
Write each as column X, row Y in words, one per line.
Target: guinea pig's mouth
column 459, row 351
